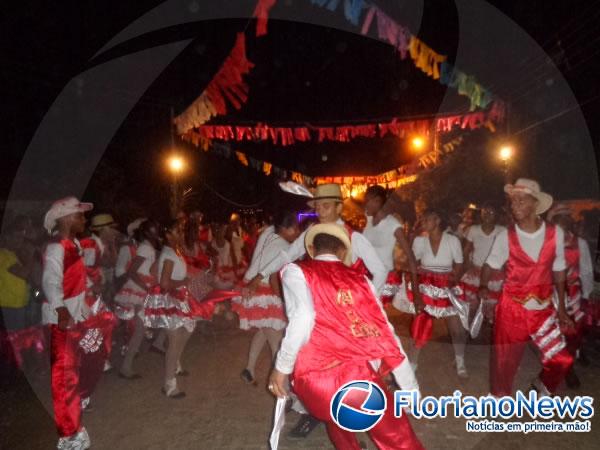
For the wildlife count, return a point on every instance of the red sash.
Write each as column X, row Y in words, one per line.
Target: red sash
column 349, row 323
column 572, row 255
column 525, row 278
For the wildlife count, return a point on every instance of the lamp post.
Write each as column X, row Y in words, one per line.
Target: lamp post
column 506, row 154
column 176, row 165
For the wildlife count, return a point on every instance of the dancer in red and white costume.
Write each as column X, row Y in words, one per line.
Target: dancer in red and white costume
column 338, row 332
column 532, row 253
column 327, row 202
column 95, row 358
column 440, row 259
column 580, row 281
column 479, row 240
column 170, row 306
column 141, row 277
column 383, row 232
column 64, row 285
column 264, row 309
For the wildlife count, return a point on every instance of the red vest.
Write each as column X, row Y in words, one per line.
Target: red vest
column 73, row 269
column 525, row 278
column 349, row 323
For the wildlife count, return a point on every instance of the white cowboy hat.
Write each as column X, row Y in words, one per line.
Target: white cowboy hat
column 332, row 229
column 531, row 187
column 62, row 208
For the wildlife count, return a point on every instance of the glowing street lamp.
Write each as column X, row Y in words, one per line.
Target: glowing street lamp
column 506, row 153
column 176, row 165
column 418, row 142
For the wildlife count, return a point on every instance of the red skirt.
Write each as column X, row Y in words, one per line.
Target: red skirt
column 172, row 310
column 471, row 281
column 263, row 310
column 435, row 291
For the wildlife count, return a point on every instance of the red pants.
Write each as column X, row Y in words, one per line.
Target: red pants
column 575, row 337
column 316, row 390
column 513, row 328
column 64, row 354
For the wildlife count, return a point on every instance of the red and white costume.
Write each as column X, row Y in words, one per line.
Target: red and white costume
column 580, row 283
column 383, row 239
column 338, row 332
column 265, row 308
column 100, row 322
column 131, row 296
column 176, row 309
column 64, row 285
column 439, row 295
column 482, row 244
column 525, row 310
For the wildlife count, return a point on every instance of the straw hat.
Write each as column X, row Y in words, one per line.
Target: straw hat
column 62, row 208
column 332, row 229
column 329, row 191
column 101, row 221
column 531, row 187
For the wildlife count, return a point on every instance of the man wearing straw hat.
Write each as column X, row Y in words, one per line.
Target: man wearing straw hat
column 532, row 251
column 337, row 333
column 327, row 202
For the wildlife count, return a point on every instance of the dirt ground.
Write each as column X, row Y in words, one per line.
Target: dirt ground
column 222, row 412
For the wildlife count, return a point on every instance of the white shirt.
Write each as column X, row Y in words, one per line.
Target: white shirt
column 482, row 243
column 361, row 248
column 586, row 269
column 301, row 320
column 449, row 253
column 179, row 268
column 531, row 243
column 268, row 246
column 52, row 285
column 146, row 251
column 383, row 238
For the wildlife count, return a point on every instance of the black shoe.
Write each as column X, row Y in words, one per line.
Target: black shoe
column 304, row 427
column 247, row 377
column 572, row 380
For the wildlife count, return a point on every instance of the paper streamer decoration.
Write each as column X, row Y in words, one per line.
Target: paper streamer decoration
column 286, row 136
column 424, row 57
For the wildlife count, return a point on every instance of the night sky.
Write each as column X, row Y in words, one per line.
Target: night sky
column 306, row 73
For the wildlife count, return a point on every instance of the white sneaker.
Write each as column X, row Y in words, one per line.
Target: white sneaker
column 79, row 441
column 107, row 366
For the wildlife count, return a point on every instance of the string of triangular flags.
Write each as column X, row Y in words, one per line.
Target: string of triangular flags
column 391, row 179
column 398, row 127
column 424, row 57
column 228, row 85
